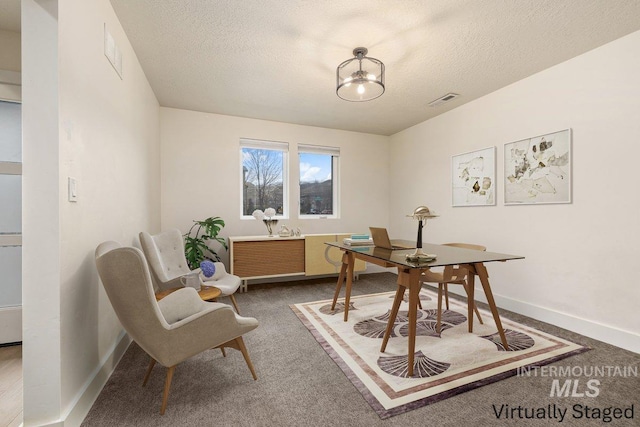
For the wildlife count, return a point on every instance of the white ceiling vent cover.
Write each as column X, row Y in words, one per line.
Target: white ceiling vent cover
column 446, row 98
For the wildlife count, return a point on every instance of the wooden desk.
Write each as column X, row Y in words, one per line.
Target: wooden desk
column 409, row 278
column 207, row 293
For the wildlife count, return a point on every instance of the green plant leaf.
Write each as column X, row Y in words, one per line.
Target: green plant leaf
column 196, row 249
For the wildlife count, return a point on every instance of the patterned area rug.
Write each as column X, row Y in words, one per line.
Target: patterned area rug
column 445, row 364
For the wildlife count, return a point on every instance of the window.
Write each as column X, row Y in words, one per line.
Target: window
column 318, row 180
column 264, row 176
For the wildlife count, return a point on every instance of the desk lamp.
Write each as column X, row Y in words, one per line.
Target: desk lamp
column 421, row 213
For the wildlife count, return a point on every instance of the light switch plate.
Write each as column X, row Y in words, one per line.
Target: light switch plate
column 73, row 190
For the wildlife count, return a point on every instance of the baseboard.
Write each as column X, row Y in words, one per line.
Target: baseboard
column 608, row 334
column 85, row 399
column 10, row 324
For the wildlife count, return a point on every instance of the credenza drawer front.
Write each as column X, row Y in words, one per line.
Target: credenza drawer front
column 314, row 253
column 268, row 258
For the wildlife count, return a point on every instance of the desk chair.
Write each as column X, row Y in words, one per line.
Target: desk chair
column 452, row 275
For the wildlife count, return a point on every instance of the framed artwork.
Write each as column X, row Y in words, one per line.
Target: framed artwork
column 538, row 169
column 473, row 178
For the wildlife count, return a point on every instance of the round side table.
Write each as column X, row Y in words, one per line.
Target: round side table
column 207, row 293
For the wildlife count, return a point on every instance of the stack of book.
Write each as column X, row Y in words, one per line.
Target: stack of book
column 358, row 240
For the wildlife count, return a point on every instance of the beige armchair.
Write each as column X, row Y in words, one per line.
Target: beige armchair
column 170, row 331
column 165, row 254
column 452, row 275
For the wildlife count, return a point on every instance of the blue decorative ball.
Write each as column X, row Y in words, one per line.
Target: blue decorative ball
column 208, row 268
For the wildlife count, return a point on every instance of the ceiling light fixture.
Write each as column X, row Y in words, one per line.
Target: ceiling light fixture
column 360, row 78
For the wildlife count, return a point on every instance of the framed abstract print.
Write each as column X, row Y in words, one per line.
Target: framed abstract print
column 473, row 178
column 538, row 170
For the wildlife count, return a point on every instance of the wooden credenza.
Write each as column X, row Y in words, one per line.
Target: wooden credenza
column 259, row 257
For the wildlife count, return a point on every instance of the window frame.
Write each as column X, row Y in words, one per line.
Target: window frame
column 334, row 152
column 259, row 144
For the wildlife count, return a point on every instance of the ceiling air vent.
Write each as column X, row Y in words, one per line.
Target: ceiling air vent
column 446, row 98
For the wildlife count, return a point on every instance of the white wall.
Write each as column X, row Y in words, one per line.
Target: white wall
column 41, row 358
column 577, row 272
column 201, row 172
column 106, row 135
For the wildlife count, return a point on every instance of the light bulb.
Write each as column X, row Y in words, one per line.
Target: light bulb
column 360, row 89
column 371, row 76
column 347, row 81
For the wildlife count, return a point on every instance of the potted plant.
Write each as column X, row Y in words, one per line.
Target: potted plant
column 196, row 249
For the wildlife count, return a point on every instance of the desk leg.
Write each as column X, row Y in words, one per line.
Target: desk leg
column 410, row 278
column 343, row 271
column 441, row 287
column 484, row 279
column 392, row 316
column 347, row 297
column 414, row 295
column 470, row 298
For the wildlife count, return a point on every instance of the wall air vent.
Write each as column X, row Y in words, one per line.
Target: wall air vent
column 446, row 98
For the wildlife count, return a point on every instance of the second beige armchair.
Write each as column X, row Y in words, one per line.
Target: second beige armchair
column 165, row 255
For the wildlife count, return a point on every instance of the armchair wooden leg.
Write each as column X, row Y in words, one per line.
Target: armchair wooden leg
column 419, row 302
column 235, row 304
column 238, row 344
column 167, row 386
column 224, row 353
column 146, row 377
column 245, row 353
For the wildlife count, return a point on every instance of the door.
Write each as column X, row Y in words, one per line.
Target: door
column 10, row 222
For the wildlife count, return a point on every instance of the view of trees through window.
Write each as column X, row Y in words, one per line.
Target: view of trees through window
column 316, row 184
column 262, row 176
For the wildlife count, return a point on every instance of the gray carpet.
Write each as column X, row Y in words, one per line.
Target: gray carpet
column 300, row 385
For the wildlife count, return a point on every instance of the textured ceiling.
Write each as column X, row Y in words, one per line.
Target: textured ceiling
column 276, row 59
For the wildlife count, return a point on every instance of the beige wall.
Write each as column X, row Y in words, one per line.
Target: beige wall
column 10, row 59
column 10, row 66
column 201, row 172
column 105, row 133
column 578, row 256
